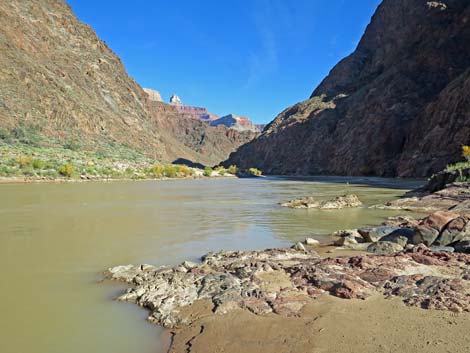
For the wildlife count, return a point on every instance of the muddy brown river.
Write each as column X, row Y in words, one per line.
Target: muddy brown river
column 55, row 239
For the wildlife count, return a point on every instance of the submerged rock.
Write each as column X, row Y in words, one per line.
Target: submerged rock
column 282, row 281
column 338, row 202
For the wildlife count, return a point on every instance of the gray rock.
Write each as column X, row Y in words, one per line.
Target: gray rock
column 312, row 242
column 462, row 246
column 425, row 235
column 189, row 264
column 384, row 248
column 338, row 202
column 357, row 246
column 298, row 246
column 442, row 248
column 345, row 241
column 374, row 234
column 456, row 230
column 400, row 236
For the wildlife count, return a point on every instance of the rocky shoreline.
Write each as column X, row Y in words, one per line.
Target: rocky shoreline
column 406, row 264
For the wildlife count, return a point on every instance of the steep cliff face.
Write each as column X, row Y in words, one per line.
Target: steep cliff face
column 193, row 140
column 59, row 80
column 398, row 105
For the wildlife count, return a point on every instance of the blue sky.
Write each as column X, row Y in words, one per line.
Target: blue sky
column 247, row 57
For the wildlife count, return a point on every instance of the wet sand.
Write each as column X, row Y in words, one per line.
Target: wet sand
column 328, row 324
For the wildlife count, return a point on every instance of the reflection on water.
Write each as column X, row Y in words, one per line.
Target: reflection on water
column 56, row 238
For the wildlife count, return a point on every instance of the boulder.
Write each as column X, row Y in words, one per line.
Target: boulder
column 374, row 234
column 312, row 242
column 400, row 236
column 346, row 241
column 454, row 231
column 430, row 227
column 462, row 246
column 299, row 246
column 438, row 220
column 384, row 248
column 424, row 235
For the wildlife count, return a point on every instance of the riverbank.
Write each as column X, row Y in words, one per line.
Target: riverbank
column 28, row 180
column 296, row 300
column 21, row 163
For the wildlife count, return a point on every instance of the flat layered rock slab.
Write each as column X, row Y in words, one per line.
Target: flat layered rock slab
column 284, row 281
column 454, row 197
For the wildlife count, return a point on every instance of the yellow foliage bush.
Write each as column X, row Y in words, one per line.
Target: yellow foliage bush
column 25, row 161
column 466, row 152
column 233, row 169
column 170, row 171
column 66, row 170
column 255, row 172
column 185, row 171
column 158, row 171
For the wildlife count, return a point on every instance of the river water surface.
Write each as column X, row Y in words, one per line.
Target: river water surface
column 55, row 239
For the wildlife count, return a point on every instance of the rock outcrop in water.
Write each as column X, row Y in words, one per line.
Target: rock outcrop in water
column 397, row 106
column 282, row 281
column 346, row 201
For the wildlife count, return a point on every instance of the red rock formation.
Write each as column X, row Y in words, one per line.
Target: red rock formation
column 240, row 123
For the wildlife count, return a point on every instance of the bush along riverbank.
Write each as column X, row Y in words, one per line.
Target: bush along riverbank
column 21, row 162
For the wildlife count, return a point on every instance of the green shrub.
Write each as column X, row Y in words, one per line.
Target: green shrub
column 28, row 171
column 72, row 145
column 37, row 164
column 207, row 171
column 233, row 169
column 52, row 173
column 90, row 170
column 66, row 170
column 28, row 134
column 5, row 135
column 221, row 170
column 255, row 172
column 6, row 170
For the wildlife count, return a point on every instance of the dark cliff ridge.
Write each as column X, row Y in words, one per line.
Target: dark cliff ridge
column 399, row 105
column 58, row 78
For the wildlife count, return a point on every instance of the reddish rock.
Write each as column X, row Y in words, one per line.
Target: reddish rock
column 454, row 231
